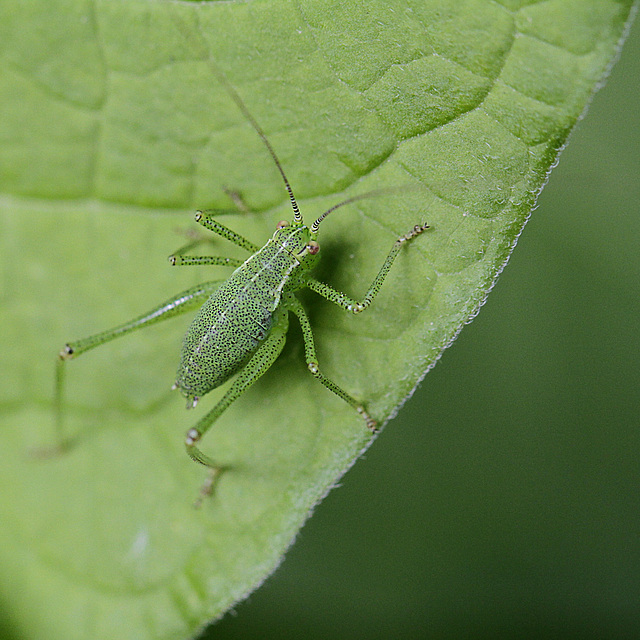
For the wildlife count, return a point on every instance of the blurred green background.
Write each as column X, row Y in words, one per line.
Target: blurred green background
column 504, row 501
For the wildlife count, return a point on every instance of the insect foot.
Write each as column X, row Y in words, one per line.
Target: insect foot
column 417, row 230
column 192, row 438
column 371, row 423
column 208, row 486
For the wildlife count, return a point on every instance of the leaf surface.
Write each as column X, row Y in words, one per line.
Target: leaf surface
column 113, row 128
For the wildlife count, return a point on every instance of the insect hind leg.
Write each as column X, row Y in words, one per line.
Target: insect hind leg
column 183, row 302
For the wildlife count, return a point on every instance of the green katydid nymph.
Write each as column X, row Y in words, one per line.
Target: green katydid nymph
column 241, row 326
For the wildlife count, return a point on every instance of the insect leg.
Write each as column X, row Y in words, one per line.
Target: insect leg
column 207, row 220
column 260, row 362
column 356, row 306
column 312, row 361
column 179, row 260
column 185, row 301
column 195, row 239
column 189, row 299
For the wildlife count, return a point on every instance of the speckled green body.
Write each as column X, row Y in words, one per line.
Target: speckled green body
column 238, row 317
column 241, row 326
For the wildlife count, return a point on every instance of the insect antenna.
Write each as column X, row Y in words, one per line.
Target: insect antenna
column 370, row 194
column 203, row 53
column 297, row 216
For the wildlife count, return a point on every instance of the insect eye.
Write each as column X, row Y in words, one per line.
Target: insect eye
column 313, row 247
column 282, row 224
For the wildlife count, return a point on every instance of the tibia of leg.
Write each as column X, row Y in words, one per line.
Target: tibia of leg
column 312, row 361
column 207, row 221
column 348, row 398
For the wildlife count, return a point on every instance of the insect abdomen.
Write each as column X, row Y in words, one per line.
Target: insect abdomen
column 233, row 322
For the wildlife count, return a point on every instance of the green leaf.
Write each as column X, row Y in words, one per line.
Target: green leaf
column 112, row 129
